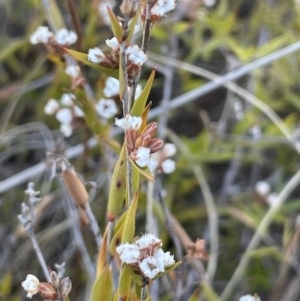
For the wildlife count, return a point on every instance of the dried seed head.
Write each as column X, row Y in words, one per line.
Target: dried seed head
column 75, row 187
column 47, row 291
column 54, row 279
column 65, row 287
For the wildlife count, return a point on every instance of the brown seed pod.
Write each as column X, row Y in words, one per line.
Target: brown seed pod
column 75, row 187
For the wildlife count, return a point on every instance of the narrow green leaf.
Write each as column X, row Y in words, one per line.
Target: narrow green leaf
column 117, row 192
column 53, row 15
column 125, row 283
column 83, row 57
column 129, row 226
column 209, row 294
column 6, row 284
column 118, row 231
column 10, row 47
column 140, row 102
column 168, row 269
column 103, row 286
column 132, row 24
column 116, row 26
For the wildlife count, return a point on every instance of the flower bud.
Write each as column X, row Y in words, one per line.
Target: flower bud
column 129, row 8
column 155, row 145
column 150, row 129
column 65, row 287
column 47, row 291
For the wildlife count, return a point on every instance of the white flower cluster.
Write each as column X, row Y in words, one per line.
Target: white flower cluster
column 129, row 123
column 249, row 298
column 31, row 285
column 161, row 7
column 136, row 55
column 65, row 110
column 160, row 161
column 146, row 254
column 63, row 36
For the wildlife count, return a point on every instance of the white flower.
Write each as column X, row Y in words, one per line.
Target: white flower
column 106, row 108
column 147, row 241
column 67, row 99
column 168, row 166
column 51, row 106
column 152, row 164
column 129, row 123
column 112, row 87
column 73, row 71
column 149, row 267
column 31, row 285
column 96, row 55
column 41, row 35
column 142, row 156
column 169, row 149
column 249, row 298
column 136, row 55
column 271, row 199
column 64, row 116
column 162, row 6
column 163, row 259
column 113, row 43
column 209, row 3
column 65, row 37
column 78, row 112
column 129, row 253
column 262, row 188
column 66, row 129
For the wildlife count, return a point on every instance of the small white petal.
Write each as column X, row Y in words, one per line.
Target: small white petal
column 161, row 7
column 78, row 112
column 249, row 298
column 147, row 241
column 271, row 199
column 136, row 55
column 152, row 164
column 136, row 123
column 163, row 259
column 96, row 55
column 65, row 37
column 168, row 166
column 67, row 99
column 112, row 87
column 209, row 3
column 169, row 149
column 73, row 71
column 66, row 129
column 51, row 106
column 41, row 35
column 106, row 108
column 129, row 122
column 143, row 156
column 31, row 285
column 113, row 43
column 129, row 253
column 149, row 267
column 64, row 116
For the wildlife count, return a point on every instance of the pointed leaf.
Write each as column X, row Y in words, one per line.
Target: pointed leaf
column 112, row 143
column 145, row 171
column 101, row 261
column 140, row 102
column 133, row 23
column 129, row 226
column 117, row 192
column 53, row 15
column 103, row 286
column 83, row 57
column 145, row 117
column 125, row 283
column 118, row 231
column 209, row 294
column 116, row 26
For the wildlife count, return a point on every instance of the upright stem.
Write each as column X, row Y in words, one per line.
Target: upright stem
column 143, row 292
